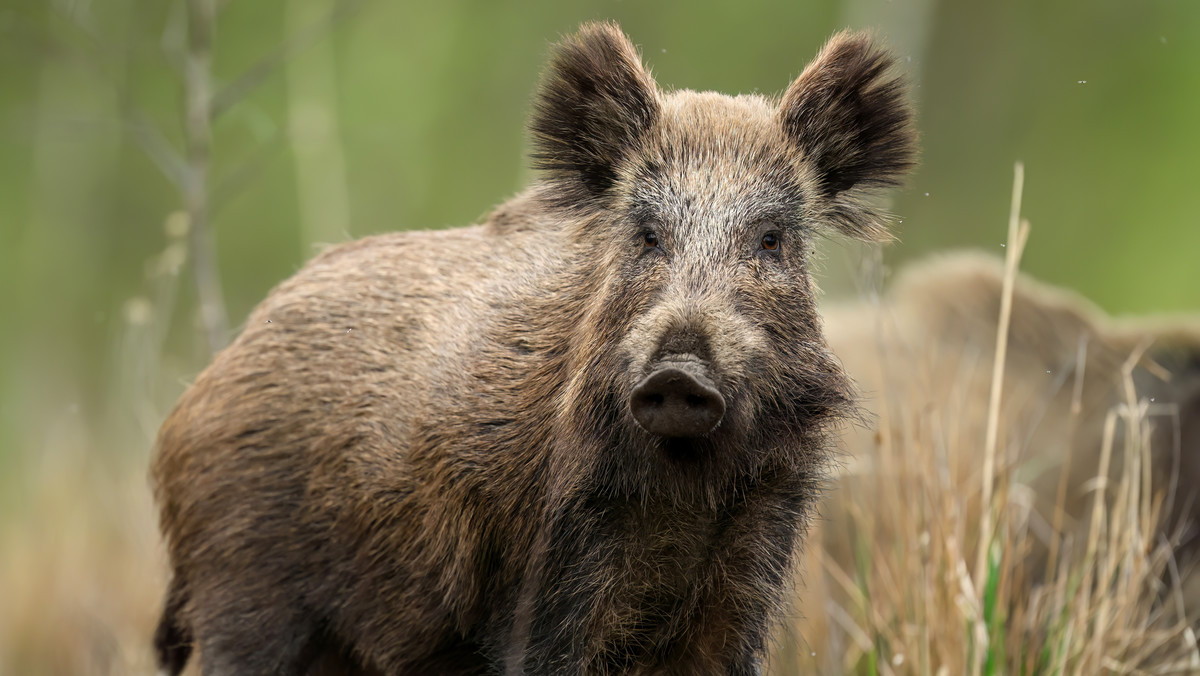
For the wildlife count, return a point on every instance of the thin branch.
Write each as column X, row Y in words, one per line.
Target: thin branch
column 198, row 125
column 96, row 58
column 254, row 76
column 156, row 146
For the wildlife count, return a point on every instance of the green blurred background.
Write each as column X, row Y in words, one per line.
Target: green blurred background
column 411, row 115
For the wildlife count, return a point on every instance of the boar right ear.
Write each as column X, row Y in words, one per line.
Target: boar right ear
column 848, row 118
column 595, row 102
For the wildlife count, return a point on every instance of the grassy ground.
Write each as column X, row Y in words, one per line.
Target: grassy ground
column 899, row 580
column 82, row 568
column 1006, row 509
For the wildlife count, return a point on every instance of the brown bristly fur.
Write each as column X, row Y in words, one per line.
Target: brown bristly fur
column 419, row 456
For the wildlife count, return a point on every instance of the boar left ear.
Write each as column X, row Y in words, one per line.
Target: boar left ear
column 848, row 118
column 596, row 101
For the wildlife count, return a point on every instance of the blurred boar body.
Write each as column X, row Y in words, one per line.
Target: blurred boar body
column 923, row 359
column 583, row 436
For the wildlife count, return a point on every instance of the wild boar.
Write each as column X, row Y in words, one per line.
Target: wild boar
column 582, row 436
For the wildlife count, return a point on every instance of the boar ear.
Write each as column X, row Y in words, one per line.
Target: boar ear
column 595, row 102
column 849, row 120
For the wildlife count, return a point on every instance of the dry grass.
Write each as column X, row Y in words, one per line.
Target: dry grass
column 931, row 557
column 894, row 592
column 82, row 567
column 81, row 571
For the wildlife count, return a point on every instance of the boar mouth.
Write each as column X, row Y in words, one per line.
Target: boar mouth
column 678, row 399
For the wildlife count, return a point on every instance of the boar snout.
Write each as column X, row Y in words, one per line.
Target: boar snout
column 677, row 400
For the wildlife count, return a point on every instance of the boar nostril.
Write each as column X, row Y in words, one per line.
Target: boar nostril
column 677, row 400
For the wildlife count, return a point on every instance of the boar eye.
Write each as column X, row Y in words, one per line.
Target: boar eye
column 650, row 239
column 770, row 241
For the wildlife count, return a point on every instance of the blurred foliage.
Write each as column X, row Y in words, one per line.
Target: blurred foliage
column 411, row 115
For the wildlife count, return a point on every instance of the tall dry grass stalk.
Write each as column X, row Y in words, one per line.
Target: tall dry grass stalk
column 931, row 558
